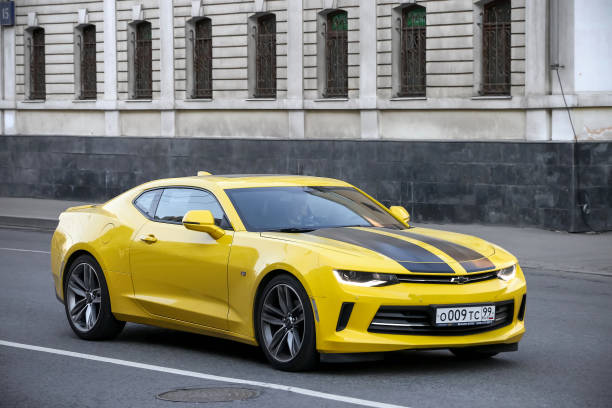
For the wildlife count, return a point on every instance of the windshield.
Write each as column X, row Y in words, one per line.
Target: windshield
column 296, row 209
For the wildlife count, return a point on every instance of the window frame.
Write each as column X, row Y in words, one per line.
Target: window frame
column 401, row 80
column 134, row 56
column 324, row 60
column 191, row 39
column 80, row 64
column 35, row 68
column 255, row 74
column 260, row 57
column 158, row 199
column 492, row 88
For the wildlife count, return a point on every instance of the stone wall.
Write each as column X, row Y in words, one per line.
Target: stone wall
column 514, row 183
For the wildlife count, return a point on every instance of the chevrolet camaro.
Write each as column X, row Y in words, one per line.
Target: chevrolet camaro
column 301, row 266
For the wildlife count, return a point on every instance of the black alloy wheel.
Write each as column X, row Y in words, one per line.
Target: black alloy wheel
column 87, row 302
column 285, row 325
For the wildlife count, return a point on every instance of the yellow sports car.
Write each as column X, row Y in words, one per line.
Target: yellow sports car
column 301, row 266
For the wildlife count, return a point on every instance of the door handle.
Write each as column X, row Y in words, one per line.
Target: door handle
column 149, row 239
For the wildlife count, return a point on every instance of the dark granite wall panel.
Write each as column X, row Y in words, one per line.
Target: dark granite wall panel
column 516, row 183
column 594, row 174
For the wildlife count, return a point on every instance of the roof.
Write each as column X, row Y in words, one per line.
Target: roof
column 269, row 180
column 228, row 181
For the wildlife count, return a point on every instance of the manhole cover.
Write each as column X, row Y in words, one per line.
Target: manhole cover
column 216, row 394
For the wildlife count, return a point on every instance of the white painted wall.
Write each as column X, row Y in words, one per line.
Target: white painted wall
column 593, row 50
column 535, row 111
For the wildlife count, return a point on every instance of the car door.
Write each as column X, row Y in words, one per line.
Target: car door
column 178, row 273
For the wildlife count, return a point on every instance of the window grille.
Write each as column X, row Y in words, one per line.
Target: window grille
column 265, row 67
column 336, row 55
column 496, row 48
column 87, row 63
column 143, row 59
column 412, row 68
column 36, row 54
column 201, row 40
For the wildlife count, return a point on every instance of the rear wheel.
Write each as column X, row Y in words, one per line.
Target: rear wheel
column 87, row 302
column 285, row 325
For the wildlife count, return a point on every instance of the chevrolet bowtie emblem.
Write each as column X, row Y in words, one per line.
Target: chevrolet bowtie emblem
column 459, row 279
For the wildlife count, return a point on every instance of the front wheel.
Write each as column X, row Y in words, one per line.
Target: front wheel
column 285, row 325
column 87, row 301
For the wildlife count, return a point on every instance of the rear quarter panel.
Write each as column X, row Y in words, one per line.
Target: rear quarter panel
column 105, row 232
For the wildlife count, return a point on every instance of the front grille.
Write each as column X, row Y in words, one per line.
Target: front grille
column 448, row 279
column 420, row 320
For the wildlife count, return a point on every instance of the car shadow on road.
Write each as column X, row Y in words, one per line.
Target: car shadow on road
column 190, row 342
column 401, row 362
column 418, row 363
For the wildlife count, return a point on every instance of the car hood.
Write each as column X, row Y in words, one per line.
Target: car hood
column 420, row 250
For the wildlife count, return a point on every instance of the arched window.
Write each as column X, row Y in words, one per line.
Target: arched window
column 140, row 75
column 336, row 55
column 35, row 60
column 199, row 58
column 496, row 47
column 85, row 62
column 265, row 68
column 412, row 52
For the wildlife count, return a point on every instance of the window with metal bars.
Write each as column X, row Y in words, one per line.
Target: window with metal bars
column 496, row 47
column 200, row 39
column 336, row 54
column 412, row 52
column 35, row 49
column 265, row 57
column 85, row 69
column 141, row 62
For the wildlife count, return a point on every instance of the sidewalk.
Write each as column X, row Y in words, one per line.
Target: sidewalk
column 535, row 248
column 32, row 212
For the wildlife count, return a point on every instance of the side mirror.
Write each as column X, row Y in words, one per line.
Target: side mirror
column 203, row 221
column 400, row 213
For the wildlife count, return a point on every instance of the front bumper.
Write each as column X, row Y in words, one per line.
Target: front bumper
column 357, row 336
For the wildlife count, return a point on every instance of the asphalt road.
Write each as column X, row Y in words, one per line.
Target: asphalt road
column 565, row 359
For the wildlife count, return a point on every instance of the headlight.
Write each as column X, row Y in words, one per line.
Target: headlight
column 507, row 274
column 365, row 278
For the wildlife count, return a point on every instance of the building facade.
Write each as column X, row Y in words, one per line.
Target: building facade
column 507, row 102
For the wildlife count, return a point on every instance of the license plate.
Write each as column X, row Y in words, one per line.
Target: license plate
column 465, row 315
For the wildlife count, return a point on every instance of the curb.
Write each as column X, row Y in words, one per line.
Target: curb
column 565, row 269
column 45, row 224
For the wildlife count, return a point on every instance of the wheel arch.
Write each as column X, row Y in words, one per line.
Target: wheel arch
column 267, row 277
column 70, row 260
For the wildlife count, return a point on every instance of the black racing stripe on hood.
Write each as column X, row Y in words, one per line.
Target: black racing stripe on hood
column 471, row 260
column 409, row 255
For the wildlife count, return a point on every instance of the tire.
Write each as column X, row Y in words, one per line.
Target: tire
column 284, row 325
column 86, row 295
column 468, row 353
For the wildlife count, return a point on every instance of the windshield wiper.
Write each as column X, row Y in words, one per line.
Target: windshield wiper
column 295, row 230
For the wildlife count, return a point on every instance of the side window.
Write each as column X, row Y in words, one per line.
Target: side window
column 146, row 202
column 176, row 202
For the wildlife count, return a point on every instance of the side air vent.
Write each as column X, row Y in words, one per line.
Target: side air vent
column 345, row 314
column 521, row 313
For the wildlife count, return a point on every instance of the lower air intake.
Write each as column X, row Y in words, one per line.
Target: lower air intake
column 420, row 320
